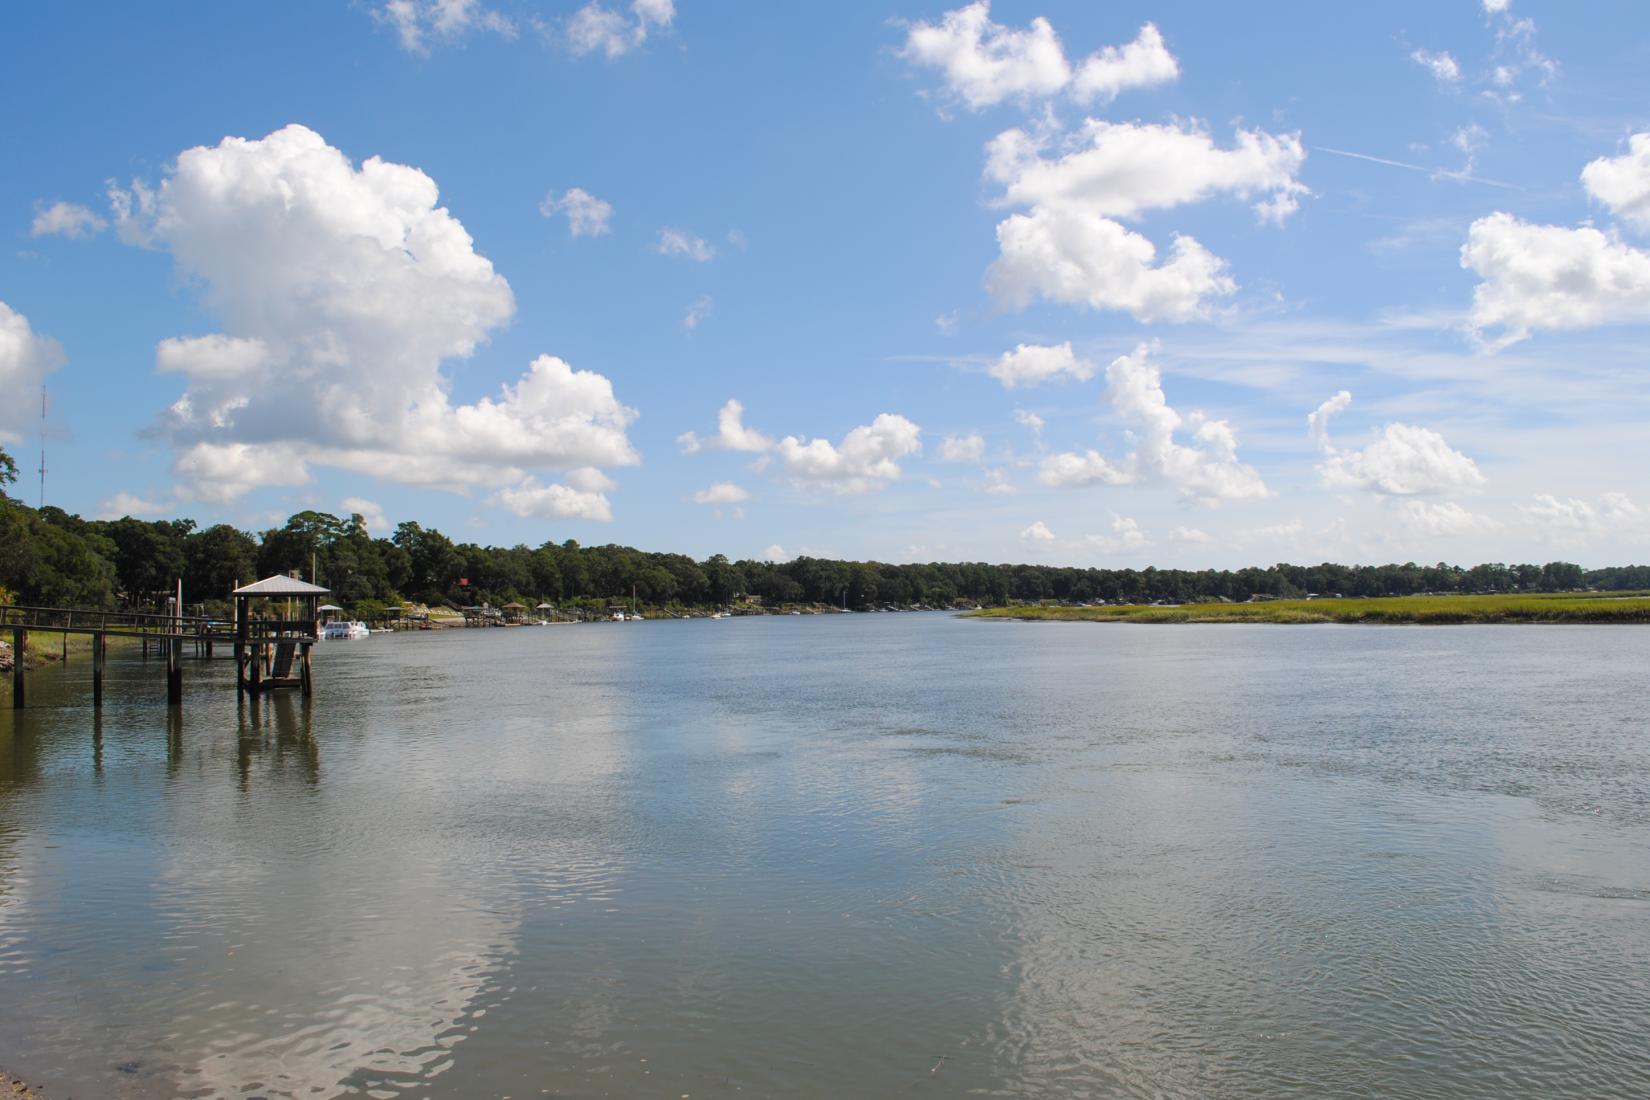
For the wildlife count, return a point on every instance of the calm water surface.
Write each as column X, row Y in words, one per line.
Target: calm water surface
column 851, row 856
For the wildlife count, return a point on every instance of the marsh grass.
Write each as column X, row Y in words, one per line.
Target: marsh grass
column 1546, row 607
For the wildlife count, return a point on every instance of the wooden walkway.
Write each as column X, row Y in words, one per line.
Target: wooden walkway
column 266, row 650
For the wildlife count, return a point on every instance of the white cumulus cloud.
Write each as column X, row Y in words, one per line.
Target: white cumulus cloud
column 342, row 293
column 1070, row 246
column 1124, row 169
column 723, row 492
column 1031, row 364
column 1205, row 469
column 1076, row 258
column 26, row 358
column 731, row 434
column 984, row 63
column 587, row 216
column 1073, row 470
column 222, row 473
column 1037, row 534
column 66, row 219
column 1112, row 70
column 533, row 500
column 867, row 458
column 1551, row 277
column 1403, row 461
column 1623, row 183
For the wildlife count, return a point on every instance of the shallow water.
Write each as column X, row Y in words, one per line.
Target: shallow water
column 842, row 856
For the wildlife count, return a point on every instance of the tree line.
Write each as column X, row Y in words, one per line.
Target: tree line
column 51, row 557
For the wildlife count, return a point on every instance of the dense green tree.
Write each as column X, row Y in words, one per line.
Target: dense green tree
column 216, row 560
column 51, row 556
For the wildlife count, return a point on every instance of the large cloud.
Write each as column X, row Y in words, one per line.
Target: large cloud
column 1206, row 469
column 26, row 358
column 1554, row 277
column 985, row 63
column 867, row 458
column 1071, row 248
column 342, row 292
column 1076, row 258
column 1123, row 169
column 1551, row 277
column 1623, row 183
column 1403, row 461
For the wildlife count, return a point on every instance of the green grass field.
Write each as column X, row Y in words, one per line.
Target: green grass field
column 1556, row 607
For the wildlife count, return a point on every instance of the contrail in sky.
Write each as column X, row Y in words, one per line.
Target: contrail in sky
column 1444, row 172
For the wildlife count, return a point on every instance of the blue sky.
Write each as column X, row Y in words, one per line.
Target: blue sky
column 1053, row 282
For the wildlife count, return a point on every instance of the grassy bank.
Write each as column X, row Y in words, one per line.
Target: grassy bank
column 1559, row 607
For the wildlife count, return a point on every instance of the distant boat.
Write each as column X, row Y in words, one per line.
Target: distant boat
column 717, row 615
column 618, row 616
column 345, row 629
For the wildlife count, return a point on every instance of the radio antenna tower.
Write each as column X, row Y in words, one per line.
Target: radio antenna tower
column 42, row 446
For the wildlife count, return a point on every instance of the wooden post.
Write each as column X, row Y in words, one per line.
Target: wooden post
column 257, row 668
column 240, row 647
column 98, row 640
column 308, row 682
column 174, row 672
column 19, row 638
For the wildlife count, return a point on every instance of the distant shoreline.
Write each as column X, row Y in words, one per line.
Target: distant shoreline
column 1579, row 607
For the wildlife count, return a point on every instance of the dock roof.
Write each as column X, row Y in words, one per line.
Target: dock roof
column 281, row 586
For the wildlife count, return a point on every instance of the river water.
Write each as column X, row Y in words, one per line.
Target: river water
column 846, row 856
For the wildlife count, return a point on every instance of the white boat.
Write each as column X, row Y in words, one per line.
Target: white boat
column 345, row 629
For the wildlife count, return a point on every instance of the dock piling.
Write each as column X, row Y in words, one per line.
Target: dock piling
column 98, row 655
column 174, row 672
column 18, row 637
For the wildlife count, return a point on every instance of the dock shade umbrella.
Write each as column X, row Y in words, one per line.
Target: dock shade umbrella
column 329, row 607
column 515, row 607
column 299, row 614
column 545, row 607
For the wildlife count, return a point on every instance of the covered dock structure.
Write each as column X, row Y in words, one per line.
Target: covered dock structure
column 277, row 623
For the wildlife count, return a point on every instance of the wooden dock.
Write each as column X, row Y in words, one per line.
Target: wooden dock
column 271, row 653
